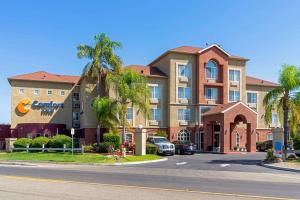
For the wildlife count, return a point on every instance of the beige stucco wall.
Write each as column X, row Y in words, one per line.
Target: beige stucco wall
column 238, row 65
column 261, row 93
column 88, row 91
column 60, row 116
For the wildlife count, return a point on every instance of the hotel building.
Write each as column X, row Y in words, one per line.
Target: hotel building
column 200, row 95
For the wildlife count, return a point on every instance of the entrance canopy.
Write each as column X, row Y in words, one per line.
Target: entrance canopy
column 228, row 116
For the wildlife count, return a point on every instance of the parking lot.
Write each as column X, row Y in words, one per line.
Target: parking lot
column 248, row 162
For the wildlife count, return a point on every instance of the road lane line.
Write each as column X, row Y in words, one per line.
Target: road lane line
column 146, row 188
column 181, row 163
column 225, row 165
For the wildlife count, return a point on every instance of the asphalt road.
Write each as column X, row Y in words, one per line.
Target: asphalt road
column 225, row 174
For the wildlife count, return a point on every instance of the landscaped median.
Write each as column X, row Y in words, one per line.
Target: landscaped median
column 87, row 158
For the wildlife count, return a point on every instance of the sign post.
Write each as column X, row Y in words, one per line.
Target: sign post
column 72, row 134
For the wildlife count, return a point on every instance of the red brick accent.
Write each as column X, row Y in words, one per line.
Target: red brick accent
column 227, row 121
column 221, row 59
column 22, row 130
column 4, row 131
column 262, row 134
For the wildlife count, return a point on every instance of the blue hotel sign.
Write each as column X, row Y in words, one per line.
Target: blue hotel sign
column 46, row 108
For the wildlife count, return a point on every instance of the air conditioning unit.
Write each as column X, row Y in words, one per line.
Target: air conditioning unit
column 252, row 105
column 153, row 123
column 183, row 101
column 211, row 101
column 234, row 83
column 154, row 100
column 183, row 79
column 183, row 123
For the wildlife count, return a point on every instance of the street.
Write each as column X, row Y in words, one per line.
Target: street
column 209, row 176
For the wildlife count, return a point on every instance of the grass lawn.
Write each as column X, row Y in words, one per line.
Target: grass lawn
column 68, row 158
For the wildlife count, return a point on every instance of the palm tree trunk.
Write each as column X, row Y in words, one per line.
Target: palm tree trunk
column 285, row 124
column 98, row 134
column 98, row 84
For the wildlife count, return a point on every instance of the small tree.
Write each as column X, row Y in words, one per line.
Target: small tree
column 106, row 110
column 131, row 87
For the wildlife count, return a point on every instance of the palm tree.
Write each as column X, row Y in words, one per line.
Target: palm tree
column 102, row 58
column 106, row 110
column 285, row 99
column 132, row 88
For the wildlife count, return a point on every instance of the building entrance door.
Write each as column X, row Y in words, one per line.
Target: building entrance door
column 216, row 141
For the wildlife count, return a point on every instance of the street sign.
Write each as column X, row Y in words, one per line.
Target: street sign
column 72, row 131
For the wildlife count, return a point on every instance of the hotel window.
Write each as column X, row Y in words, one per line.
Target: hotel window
column 183, row 135
column 211, row 69
column 183, row 114
column 21, row 91
column 184, row 92
column 155, row 114
column 75, row 116
column 76, row 96
column 155, row 92
column 49, row 92
column 234, row 75
column 130, row 113
column 184, row 70
column 234, row 95
column 36, row 92
column 211, row 93
column 62, row 93
column 251, row 97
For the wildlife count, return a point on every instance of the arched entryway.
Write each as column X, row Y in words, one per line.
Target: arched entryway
column 238, row 134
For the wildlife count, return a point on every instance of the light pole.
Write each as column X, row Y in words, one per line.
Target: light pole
column 72, row 134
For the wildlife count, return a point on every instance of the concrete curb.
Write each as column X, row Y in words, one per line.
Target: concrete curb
column 279, row 168
column 140, row 162
column 33, row 163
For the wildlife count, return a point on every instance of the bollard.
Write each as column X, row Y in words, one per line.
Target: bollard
column 27, row 148
column 82, row 149
column 64, row 148
column 43, row 148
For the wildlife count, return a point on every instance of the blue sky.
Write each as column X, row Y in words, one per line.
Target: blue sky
column 43, row 35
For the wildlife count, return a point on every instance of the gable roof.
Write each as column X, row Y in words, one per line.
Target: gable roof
column 256, row 81
column 224, row 108
column 46, row 77
column 147, row 70
column 196, row 50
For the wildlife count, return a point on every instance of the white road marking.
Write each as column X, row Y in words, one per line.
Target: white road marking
column 181, row 163
column 225, row 165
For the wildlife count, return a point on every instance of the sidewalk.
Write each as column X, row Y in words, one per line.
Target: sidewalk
column 286, row 166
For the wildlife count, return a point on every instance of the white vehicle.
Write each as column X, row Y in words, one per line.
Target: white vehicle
column 164, row 146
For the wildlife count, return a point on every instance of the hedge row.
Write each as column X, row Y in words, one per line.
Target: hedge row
column 57, row 141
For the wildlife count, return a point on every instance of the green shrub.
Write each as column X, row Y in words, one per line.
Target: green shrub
column 296, row 141
column 88, row 149
column 151, row 148
column 22, row 142
column 113, row 139
column 270, row 155
column 39, row 141
column 105, row 147
column 161, row 133
column 58, row 141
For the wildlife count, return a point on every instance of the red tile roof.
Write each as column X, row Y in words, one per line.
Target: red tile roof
column 255, row 81
column 147, row 70
column 219, row 108
column 47, row 77
column 194, row 50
